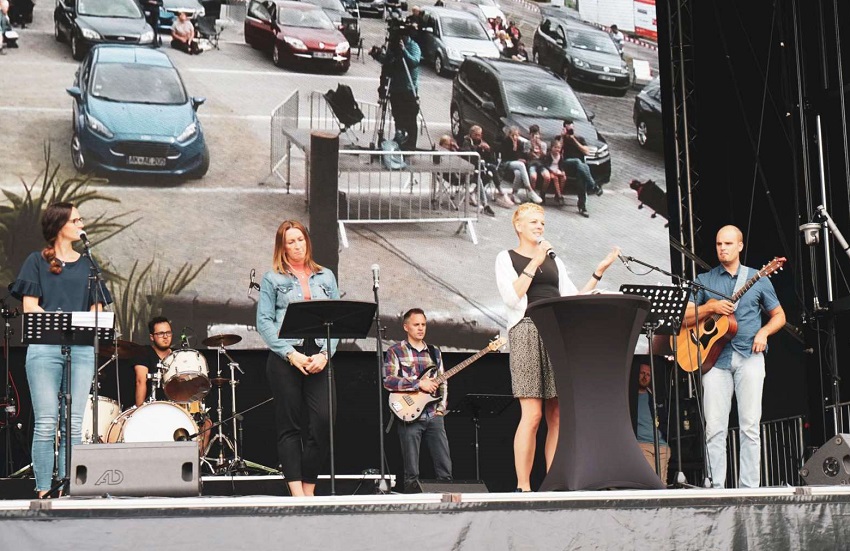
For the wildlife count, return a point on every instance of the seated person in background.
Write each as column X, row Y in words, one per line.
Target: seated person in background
column 644, row 417
column 535, row 151
column 5, row 25
column 505, row 44
column 513, row 163
column 575, row 150
column 474, row 141
column 447, row 143
column 552, row 164
column 521, row 53
column 497, row 24
column 183, row 35
column 514, row 32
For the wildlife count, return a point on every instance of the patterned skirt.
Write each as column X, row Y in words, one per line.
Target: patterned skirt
column 531, row 370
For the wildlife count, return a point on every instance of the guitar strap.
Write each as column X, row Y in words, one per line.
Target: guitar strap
column 743, row 271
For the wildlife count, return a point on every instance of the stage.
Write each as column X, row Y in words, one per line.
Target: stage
column 809, row 518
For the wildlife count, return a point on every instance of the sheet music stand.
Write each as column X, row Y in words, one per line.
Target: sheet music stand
column 666, row 314
column 327, row 319
column 59, row 328
column 477, row 406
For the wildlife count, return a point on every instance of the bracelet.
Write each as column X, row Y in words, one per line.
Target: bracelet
column 527, row 274
column 597, row 277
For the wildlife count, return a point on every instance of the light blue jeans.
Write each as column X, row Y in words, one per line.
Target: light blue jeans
column 520, row 175
column 44, row 374
column 745, row 379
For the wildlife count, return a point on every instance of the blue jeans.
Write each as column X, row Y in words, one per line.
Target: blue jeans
column 745, row 379
column 520, row 174
column 582, row 171
column 44, row 374
column 434, row 432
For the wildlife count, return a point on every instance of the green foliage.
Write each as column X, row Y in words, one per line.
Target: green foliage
column 140, row 296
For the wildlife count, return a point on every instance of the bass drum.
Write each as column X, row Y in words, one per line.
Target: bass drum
column 107, row 411
column 152, row 422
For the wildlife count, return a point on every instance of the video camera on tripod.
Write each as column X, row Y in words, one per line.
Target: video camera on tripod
column 397, row 29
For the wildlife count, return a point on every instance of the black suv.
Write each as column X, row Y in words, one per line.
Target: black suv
column 581, row 55
column 497, row 94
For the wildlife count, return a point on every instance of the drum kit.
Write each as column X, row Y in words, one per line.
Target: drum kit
column 183, row 376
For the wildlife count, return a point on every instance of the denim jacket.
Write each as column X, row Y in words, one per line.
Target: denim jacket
column 277, row 291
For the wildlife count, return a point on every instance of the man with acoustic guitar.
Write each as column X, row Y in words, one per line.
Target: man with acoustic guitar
column 739, row 368
column 405, row 364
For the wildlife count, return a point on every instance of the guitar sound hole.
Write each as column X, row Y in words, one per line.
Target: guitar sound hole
column 709, row 326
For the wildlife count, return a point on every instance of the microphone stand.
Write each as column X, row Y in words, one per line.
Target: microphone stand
column 383, row 486
column 9, row 405
column 693, row 287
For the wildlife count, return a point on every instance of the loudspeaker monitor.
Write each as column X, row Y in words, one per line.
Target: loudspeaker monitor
column 830, row 465
column 452, row 487
column 139, row 469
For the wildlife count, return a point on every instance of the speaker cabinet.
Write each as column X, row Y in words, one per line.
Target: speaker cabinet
column 139, row 469
column 452, row 487
column 830, row 465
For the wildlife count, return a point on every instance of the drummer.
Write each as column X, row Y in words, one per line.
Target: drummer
column 151, row 360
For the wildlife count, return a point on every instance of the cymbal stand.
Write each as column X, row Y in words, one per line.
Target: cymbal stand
column 219, row 436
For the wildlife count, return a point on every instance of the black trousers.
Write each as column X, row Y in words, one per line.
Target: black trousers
column 302, row 448
column 405, row 111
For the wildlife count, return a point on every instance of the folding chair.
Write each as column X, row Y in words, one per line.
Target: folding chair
column 210, row 27
column 345, row 109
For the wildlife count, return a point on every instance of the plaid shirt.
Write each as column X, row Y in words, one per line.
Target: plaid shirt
column 403, row 365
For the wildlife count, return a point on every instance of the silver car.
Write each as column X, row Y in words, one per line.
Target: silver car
column 448, row 36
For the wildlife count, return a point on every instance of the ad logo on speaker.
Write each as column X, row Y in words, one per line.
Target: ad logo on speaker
column 112, row 477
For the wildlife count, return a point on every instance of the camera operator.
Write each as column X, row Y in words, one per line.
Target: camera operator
column 400, row 64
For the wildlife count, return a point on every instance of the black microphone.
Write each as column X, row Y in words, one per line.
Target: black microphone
column 184, row 341
column 550, row 252
column 376, row 276
column 624, row 259
column 252, row 284
column 85, row 239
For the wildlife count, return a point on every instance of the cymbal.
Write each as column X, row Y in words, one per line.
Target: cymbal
column 126, row 349
column 221, row 340
column 219, row 381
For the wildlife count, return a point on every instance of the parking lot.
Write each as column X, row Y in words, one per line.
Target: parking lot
column 230, row 215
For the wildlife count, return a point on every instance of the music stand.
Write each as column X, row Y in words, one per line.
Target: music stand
column 338, row 319
column 65, row 329
column 477, row 406
column 666, row 314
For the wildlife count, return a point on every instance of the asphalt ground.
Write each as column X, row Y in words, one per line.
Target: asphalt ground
column 230, row 215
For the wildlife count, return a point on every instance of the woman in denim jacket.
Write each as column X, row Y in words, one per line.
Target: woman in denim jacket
column 295, row 366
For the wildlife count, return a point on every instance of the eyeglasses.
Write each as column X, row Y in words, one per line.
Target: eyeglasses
column 77, row 221
column 162, row 334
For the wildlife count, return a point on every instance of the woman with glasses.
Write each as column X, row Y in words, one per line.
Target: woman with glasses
column 52, row 280
column 295, row 367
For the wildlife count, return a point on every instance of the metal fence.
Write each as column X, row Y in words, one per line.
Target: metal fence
column 839, row 414
column 782, row 453
column 284, row 116
column 421, row 187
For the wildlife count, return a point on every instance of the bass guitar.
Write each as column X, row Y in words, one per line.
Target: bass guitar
column 716, row 330
column 408, row 406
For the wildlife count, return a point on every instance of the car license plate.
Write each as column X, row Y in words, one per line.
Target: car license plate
column 607, row 78
column 146, row 161
column 323, row 55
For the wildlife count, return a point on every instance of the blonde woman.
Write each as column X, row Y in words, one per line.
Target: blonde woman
column 524, row 275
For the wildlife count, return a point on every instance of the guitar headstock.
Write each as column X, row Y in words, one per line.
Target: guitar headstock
column 773, row 266
column 497, row 343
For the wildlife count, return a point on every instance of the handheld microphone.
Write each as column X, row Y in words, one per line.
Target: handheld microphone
column 252, row 284
column 550, row 252
column 376, row 276
column 85, row 239
column 624, row 259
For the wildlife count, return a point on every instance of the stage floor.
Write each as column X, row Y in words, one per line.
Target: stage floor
column 767, row 518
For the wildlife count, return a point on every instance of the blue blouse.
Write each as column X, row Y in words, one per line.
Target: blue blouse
column 63, row 292
column 277, row 291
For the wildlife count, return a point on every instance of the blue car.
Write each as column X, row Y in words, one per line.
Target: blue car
column 132, row 115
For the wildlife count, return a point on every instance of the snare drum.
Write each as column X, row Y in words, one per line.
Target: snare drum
column 107, row 411
column 185, row 376
column 152, row 422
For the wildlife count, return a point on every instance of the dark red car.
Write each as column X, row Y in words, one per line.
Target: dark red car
column 297, row 34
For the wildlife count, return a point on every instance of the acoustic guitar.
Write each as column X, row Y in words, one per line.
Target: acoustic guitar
column 408, row 406
column 716, row 330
